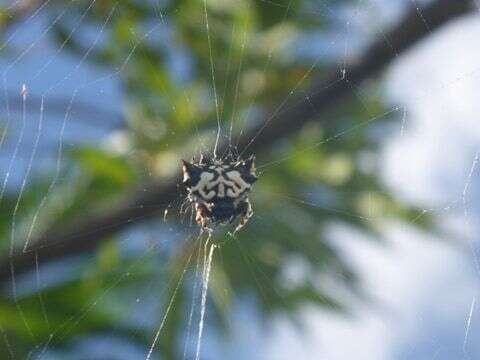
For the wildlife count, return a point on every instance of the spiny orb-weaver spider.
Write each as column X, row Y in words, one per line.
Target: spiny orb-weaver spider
column 218, row 190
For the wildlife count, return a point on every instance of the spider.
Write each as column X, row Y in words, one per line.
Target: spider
column 218, row 190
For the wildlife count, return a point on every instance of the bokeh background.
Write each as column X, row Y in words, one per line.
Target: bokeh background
column 363, row 116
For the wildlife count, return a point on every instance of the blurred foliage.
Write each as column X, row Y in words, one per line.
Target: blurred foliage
column 315, row 179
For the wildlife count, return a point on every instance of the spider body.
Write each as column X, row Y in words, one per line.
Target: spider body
column 219, row 190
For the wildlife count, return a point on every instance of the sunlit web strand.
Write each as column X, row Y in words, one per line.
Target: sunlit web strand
column 343, row 77
column 237, row 83
column 249, row 260
column 169, row 307
column 468, row 325
column 205, row 280
column 7, row 342
column 194, row 298
column 265, row 67
column 164, row 89
column 40, row 122
column 420, row 14
column 279, row 107
column 420, row 98
column 319, row 206
column 331, row 138
column 212, row 71
column 68, row 325
column 39, row 291
column 45, row 347
column 227, row 71
column 33, row 15
column 283, row 6
column 465, row 210
column 63, row 127
column 59, row 155
column 292, row 91
column 67, row 39
column 26, row 176
column 7, row 105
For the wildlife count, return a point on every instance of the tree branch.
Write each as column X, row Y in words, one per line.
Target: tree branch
column 85, row 235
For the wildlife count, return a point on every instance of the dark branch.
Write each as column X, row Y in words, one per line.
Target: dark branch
column 85, row 235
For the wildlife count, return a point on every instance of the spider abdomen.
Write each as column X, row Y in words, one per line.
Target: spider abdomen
column 223, row 210
column 220, row 190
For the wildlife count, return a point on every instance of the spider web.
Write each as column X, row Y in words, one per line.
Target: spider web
column 36, row 132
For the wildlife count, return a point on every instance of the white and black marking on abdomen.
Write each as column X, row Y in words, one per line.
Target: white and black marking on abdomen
column 220, row 190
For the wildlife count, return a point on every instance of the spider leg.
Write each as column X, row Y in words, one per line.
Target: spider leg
column 202, row 215
column 245, row 212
